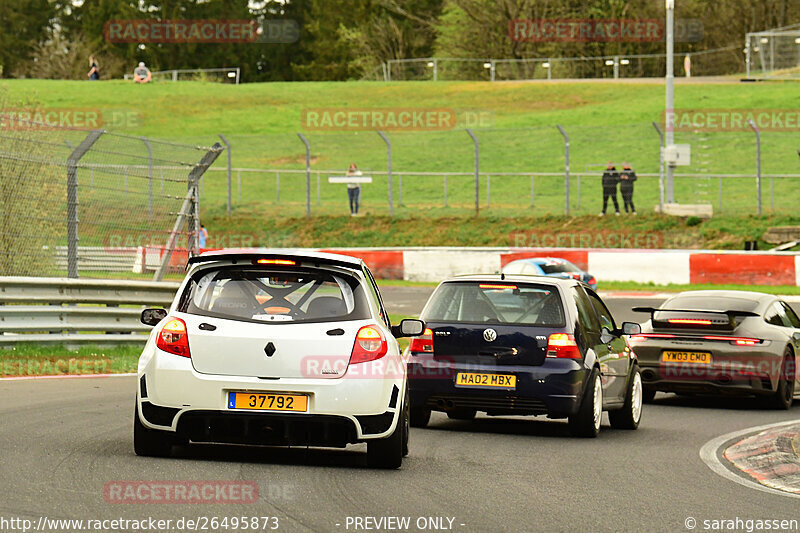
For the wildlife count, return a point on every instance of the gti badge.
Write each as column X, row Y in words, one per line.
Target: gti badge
column 489, row 335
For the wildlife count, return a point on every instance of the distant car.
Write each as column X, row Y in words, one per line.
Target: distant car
column 277, row 348
column 550, row 266
column 519, row 345
column 720, row 342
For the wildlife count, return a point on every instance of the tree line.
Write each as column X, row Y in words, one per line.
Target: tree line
column 352, row 39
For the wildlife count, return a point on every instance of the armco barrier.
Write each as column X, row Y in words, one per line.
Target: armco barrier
column 74, row 311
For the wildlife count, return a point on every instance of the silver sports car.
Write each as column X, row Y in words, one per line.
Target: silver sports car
column 720, row 342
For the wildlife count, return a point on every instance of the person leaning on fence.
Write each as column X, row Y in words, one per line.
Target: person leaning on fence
column 141, row 74
column 626, row 179
column 610, row 180
column 353, row 189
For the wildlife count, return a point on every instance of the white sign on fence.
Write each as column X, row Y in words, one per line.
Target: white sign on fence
column 678, row 155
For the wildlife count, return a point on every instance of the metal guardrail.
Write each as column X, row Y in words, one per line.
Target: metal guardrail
column 74, row 311
column 97, row 258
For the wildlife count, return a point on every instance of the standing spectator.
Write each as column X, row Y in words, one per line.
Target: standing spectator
column 203, row 237
column 94, row 69
column 353, row 190
column 610, row 180
column 141, row 74
column 626, row 180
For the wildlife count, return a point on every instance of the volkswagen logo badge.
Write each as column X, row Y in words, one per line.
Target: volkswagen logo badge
column 489, row 335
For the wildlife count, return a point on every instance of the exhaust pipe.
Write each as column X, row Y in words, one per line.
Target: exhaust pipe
column 724, row 379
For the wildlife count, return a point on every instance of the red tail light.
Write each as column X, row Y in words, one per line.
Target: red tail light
column 173, row 339
column 592, row 281
column 370, row 345
column 645, row 336
column 423, row 343
column 738, row 341
column 562, row 345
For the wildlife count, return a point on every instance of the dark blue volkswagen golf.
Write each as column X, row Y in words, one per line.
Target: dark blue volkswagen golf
column 523, row 345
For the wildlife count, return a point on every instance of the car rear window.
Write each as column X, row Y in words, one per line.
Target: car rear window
column 711, row 303
column 557, row 267
column 496, row 303
column 275, row 295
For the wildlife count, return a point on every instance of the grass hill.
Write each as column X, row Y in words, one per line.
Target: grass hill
column 517, row 134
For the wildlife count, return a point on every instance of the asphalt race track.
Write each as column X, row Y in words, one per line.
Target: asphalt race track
column 63, row 440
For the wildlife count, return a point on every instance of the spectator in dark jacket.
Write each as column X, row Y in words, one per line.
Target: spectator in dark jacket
column 610, row 180
column 626, row 180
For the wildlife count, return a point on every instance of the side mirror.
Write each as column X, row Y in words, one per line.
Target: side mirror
column 409, row 327
column 153, row 316
column 631, row 328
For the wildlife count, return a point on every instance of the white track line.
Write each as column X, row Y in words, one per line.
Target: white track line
column 709, row 455
column 67, row 376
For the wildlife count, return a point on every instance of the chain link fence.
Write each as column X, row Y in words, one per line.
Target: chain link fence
column 520, row 171
column 87, row 203
column 712, row 62
column 773, row 54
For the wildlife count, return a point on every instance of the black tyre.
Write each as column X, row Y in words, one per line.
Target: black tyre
column 461, row 414
column 150, row 442
column 784, row 394
column 631, row 413
column 407, row 424
column 420, row 416
column 648, row 395
column 388, row 452
column 586, row 422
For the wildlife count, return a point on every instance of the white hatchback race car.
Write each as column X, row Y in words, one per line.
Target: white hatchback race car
column 275, row 348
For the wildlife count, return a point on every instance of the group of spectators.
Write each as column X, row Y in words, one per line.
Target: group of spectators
column 141, row 74
column 611, row 178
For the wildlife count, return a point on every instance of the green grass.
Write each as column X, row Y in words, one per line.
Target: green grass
column 652, row 287
column 605, row 120
column 28, row 359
